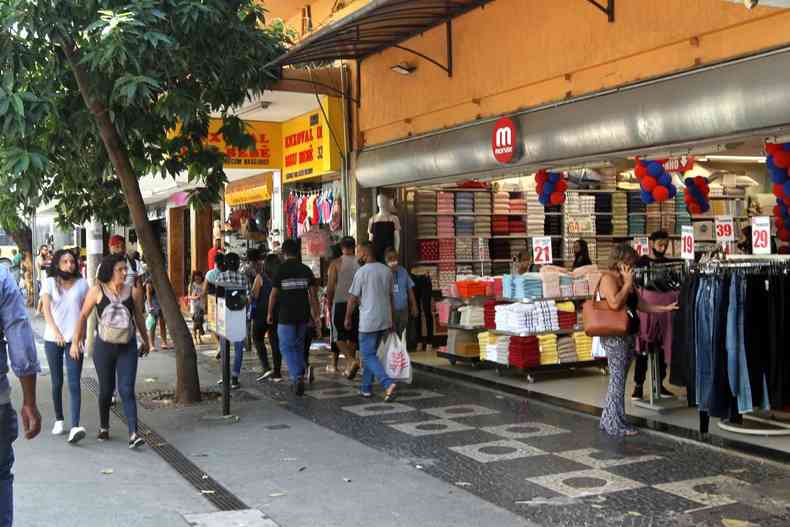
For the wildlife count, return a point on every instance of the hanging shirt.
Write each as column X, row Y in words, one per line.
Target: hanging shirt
column 326, row 209
column 336, row 222
column 314, row 219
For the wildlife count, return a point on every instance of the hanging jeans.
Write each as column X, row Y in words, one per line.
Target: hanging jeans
column 292, row 338
column 423, row 290
column 704, row 341
column 119, row 360
column 55, row 357
column 737, row 369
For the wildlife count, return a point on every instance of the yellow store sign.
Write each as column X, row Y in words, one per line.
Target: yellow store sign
column 267, row 153
column 250, row 190
column 309, row 150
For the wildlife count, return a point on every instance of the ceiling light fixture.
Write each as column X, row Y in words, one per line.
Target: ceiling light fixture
column 404, row 68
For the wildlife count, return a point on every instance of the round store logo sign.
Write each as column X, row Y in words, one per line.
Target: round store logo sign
column 504, row 141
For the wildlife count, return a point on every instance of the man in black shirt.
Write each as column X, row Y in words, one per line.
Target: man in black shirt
column 295, row 293
column 659, row 243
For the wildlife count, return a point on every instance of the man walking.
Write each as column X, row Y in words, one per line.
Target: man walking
column 295, row 296
column 341, row 275
column 371, row 290
column 20, row 351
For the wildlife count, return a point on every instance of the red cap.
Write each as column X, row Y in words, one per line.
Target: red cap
column 117, row 239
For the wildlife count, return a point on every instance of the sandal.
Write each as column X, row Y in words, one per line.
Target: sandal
column 390, row 394
column 352, row 372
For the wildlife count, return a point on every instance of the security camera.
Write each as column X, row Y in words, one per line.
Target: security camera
column 751, row 4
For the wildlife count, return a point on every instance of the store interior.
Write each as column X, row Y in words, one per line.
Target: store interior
column 459, row 231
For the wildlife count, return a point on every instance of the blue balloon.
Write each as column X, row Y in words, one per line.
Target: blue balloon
column 786, row 147
column 655, row 169
column 697, row 195
column 769, row 162
column 665, row 180
column 705, row 206
column 543, row 199
column 647, row 197
column 787, row 188
column 778, row 175
column 548, row 187
column 689, row 182
column 554, row 177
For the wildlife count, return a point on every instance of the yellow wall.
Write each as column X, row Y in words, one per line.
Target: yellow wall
column 290, row 11
column 516, row 54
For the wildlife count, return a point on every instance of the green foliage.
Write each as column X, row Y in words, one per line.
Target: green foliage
column 154, row 65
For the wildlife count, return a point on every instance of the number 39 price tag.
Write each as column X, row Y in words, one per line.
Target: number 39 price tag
column 687, row 242
column 761, row 235
column 725, row 230
column 541, row 250
column 641, row 246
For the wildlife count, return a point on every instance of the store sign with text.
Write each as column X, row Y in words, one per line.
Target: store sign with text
column 541, row 250
column 679, row 164
column 578, row 225
column 725, row 229
column 310, row 149
column 267, row 153
column 254, row 189
column 761, row 235
column 687, row 242
column 505, row 141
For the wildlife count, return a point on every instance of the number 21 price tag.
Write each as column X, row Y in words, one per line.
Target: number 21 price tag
column 541, row 250
column 687, row 242
column 725, row 230
column 761, row 235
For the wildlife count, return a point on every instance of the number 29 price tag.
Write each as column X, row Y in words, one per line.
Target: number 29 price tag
column 541, row 250
column 687, row 242
column 725, row 229
column 641, row 246
column 761, row 235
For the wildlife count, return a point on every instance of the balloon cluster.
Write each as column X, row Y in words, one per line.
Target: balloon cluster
column 778, row 163
column 551, row 188
column 655, row 181
column 697, row 191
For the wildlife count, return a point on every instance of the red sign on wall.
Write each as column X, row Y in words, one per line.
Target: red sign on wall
column 504, row 141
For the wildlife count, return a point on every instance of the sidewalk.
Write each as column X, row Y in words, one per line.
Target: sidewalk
column 446, row 454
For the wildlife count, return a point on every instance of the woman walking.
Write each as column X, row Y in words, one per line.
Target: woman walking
column 617, row 288
column 581, row 254
column 261, row 289
column 62, row 296
column 120, row 311
column 154, row 315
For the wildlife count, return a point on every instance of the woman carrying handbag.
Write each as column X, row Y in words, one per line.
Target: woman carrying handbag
column 612, row 316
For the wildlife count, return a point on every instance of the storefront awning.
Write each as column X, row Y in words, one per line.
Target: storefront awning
column 379, row 25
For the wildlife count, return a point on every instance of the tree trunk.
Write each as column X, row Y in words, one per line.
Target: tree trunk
column 23, row 237
column 187, row 382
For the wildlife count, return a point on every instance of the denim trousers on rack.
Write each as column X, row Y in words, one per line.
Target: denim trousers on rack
column 737, row 369
column 704, row 340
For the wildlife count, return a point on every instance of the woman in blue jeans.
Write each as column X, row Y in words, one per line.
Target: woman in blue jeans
column 62, row 295
column 115, row 359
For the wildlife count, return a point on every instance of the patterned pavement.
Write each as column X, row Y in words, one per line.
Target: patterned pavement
column 549, row 465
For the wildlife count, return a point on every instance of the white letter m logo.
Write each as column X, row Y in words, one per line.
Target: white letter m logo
column 504, row 137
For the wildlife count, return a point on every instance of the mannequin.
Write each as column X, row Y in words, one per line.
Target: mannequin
column 217, row 230
column 384, row 228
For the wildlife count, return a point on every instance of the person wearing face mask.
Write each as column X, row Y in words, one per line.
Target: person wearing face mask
column 404, row 302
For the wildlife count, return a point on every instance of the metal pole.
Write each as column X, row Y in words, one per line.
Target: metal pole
column 225, row 377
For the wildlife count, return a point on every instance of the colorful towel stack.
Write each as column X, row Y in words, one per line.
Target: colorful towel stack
column 566, row 286
column 581, row 287
column 517, row 203
column 620, row 214
column 524, row 352
column 428, row 250
column 464, row 269
column 566, row 314
column 637, row 214
column 445, row 226
column 517, row 225
column 426, row 201
column 603, row 213
column 498, row 351
column 528, row 285
column 483, row 203
column 499, row 249
column 483, row 341
column 604, row 253
column 464, row 202
column 446, row 274
column 566, row 350
column 445, row 203
column 426, row 226
column 447, row 249
column 548, row 349
column 551, row 284
column 489, row 313
column 464, row 249
column 527, row 319
column 480, row 249
column 583, row 346
column 500, row 226
column 535, row 215
column 465, row 226
column 482, row 226
column 501, row 203
column 682, row 216
column 472, row 316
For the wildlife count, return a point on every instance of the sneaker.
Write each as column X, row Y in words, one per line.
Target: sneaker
column 310, row 375
column 266, row 375
column 666, row 393
column 299, row 387
column 76, row 434
column 638, row 394
column 112, row 401
column 103, row 435
column 277, row 378
column 366, row 395
column 58, row 429
column 136, row 442
column 234, row 383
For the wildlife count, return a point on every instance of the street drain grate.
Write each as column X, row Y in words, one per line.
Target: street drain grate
column 211, row 489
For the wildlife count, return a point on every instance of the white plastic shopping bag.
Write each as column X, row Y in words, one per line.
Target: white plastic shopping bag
column 395, row 357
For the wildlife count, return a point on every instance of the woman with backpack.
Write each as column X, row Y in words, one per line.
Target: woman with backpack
column 120, row 312
column 62, row 296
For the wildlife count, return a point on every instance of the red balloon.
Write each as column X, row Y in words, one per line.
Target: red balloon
column 694, row 208
column 782, row 158
column 784, row 235
column 640, row 170
column 780, row 224
column 699, row 181
column 777, row 211
column 541, row 176
column 561, row 186
column 539, row 187
column 649, row 183
column 787, row 201
column 557, row 198
column 772, row 148
column 661, row 193
column 778, row 190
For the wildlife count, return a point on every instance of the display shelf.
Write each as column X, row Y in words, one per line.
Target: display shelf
column 471, row 214
column 595, row 190
column 458, row 358
column 453, row 237
column 459, row 189
column 726, row 197
column 466, row 328
column 502, row 368
column 514, row 300
column 428, row 262
column 525, row 334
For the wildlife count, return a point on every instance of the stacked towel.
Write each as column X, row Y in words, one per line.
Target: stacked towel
column 581, row 286
column 603, row 213
column 426, row 226
column 472, row 316
column 526, row 318
column 619, row 214
column 483, row 203
column 482, row 226
column 484, row 339
column 446, row 274
column 480, row 250
column 500, row 225
column 489, row 313
column 464, row 269
column 428, row 250
column 556, row 250
column 517, row 225
column 535, row 215
column 516, row 246
column 464, row 249
column 465, row 226
column 604, row 253
column 566, row 350
column 445, row 203
column 682, row 216
column 426, row 201
column 637, row 214
column 447, row 249
column 445, row 227
column 583, row 346
column 551, row 285
column 566, row 315
column 500, row 353
column 548, row 349
column 517, row 203
column 524, row 352
column 464, row 202
column 566, row 286
column 501, row 203
column 528, row 285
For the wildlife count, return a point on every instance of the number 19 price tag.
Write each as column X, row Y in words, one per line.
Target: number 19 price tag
column 725, row 229
column 761, row 235
column 641, row 246
column 687, row 242
column 541, row 250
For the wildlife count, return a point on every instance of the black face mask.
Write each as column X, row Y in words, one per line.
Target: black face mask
column 361, row 262
column 63, row 275
column 658, row 253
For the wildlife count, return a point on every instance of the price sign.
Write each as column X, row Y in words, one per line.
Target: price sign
column 641, row 246
column 761, row 235
column 541, row 250
column 725, row 229
column 687, row 242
